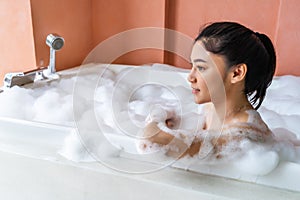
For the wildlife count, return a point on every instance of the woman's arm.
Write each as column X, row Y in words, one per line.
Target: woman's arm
column 177, row 146
column 155, row 135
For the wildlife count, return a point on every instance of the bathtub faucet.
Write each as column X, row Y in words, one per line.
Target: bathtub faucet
column 55, row 42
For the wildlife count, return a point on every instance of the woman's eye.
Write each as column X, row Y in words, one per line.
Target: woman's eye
column 200, row 68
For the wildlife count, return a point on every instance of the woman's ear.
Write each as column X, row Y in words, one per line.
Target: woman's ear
column 238, row 73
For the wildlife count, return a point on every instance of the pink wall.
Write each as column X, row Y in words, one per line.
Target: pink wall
column 287, row 37
column 279, row 19
column 72, row 19
column 85, row 23
column 115, row 16
column 259, row 15
column 17, row 44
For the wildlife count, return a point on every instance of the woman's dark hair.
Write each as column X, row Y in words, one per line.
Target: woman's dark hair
column 238, row 45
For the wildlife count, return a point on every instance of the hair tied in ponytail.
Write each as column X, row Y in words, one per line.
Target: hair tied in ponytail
column 258, row 35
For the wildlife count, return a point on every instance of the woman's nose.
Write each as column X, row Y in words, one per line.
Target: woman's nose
column 191, row 77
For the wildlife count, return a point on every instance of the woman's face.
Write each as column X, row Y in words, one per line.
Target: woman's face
column 208, row 75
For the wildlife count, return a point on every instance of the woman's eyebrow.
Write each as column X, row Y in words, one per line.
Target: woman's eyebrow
column 199, row 60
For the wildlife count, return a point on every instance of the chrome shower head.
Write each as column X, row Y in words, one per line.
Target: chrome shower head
column 55, row 41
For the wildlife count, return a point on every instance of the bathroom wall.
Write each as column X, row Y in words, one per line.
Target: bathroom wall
column 279, row 19
column 86, row 23
column 288, row 37
column 24, row 25
column 72, row 19
column 115, row 16
column 261, row 15
column 17, row 51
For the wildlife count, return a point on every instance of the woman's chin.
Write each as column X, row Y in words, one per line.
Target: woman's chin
column 200, row 101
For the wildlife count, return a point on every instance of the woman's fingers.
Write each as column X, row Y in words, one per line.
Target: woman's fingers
column 170, row 123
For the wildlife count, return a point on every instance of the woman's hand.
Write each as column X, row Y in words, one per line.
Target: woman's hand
column 155, row 135
column 178, row 148
column 171, row 123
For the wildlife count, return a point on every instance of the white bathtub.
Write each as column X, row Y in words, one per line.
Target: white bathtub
column 32, row 168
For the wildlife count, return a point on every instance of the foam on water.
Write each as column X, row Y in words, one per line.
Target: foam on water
column 119, row 104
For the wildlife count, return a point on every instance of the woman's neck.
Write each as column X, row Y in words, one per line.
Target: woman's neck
column 235, row 104
column 227, row 111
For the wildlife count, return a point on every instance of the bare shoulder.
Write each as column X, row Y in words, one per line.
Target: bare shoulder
column 240, row 117
column 251, row 123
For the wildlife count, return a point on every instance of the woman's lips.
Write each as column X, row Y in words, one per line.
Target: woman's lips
column 195, row 91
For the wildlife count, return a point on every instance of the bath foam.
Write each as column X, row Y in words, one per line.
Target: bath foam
column 279, row 109
column 75, row 150
column 252, row 158
column 16, row 103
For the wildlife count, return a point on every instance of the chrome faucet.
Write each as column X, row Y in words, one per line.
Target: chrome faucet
column 19, row 78
column 55, row 42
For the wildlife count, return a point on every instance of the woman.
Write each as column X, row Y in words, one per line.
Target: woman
column 232, row 66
